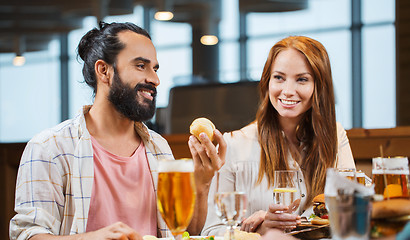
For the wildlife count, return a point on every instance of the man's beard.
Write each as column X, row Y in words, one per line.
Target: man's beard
column 126, row 100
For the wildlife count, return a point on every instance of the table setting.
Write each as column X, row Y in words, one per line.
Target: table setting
column 352, row 207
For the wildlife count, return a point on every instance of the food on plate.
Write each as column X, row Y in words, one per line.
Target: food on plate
column 204, row 125
column 319, row 221
column 321, row 216
column 185, row 236
column 149, row 237
column 242, row 235
column 389, row 217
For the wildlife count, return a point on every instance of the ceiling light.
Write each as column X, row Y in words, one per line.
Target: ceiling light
column 163, row 15
column 209, row 40
column 20, row 47
column 19, row 60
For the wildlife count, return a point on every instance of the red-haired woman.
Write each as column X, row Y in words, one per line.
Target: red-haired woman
column 295, row 128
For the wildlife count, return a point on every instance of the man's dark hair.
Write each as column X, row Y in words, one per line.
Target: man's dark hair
column 104, row 44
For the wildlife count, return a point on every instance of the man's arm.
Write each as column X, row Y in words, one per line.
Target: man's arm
column 39, row 193
column 207, row 159
column 200, row 211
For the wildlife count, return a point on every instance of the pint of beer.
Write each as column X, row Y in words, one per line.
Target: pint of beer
column 176, row 193
column 391, row 177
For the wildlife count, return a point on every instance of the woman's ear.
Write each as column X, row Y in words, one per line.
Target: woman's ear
column 103, row 71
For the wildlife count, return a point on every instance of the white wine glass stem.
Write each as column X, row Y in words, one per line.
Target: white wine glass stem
column 231, row 232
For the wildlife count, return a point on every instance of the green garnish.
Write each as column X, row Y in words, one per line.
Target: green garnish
column 185, row 236
column 311, row 217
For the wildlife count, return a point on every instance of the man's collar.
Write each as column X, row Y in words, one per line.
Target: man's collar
column 139, row 127
column 142, row 131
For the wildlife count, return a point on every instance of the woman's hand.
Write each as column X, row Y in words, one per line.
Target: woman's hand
column 251, row 223
column 277, row 217
column 207, row 158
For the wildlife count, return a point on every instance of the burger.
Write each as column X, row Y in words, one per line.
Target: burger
column 321, row 215
column 389, row 217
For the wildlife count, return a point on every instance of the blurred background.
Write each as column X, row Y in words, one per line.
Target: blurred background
column 361, row 37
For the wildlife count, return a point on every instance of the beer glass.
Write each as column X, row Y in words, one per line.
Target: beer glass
column 286, row 190
column 390, row 177
column 176, row 194
column 231, row 205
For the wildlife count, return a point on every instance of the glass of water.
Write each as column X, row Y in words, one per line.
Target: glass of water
column 286, row 190
column 230, row 205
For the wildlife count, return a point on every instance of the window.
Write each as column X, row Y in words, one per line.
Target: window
column 174, row 53
column 318, row 23
column 30, row 95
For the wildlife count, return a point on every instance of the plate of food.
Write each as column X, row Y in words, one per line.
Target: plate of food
column 184, row 237
column 239, row 235
column 317, row 226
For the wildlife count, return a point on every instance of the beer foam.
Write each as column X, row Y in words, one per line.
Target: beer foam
column 176, row 166
column 390, row 171
column 396, row 165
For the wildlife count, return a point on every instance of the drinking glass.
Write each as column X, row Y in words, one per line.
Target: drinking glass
column 286, row 190
column 349, row 173
column 176, row 194
column 391, row 177
column 231, row 205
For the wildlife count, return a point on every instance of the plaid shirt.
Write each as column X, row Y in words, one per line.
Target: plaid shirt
column 55, row 179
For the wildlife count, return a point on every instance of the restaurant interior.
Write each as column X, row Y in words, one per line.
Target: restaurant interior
column 368, row 43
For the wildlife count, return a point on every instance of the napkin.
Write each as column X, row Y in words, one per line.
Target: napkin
column 335, row 184
column 349, row 204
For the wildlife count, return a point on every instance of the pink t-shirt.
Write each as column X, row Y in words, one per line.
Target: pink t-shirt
column 123, row 191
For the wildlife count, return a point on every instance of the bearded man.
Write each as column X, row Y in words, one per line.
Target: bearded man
column 94, row 176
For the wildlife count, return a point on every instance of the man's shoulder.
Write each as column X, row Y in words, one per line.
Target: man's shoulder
column 156, row 137
column 68, row 129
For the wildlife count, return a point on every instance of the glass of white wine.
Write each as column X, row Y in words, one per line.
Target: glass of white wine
column 176, row 194
column 286, row 190
column 230, row 205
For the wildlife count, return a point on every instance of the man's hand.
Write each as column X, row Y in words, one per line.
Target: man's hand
column 207, row 159
column 116, row 231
